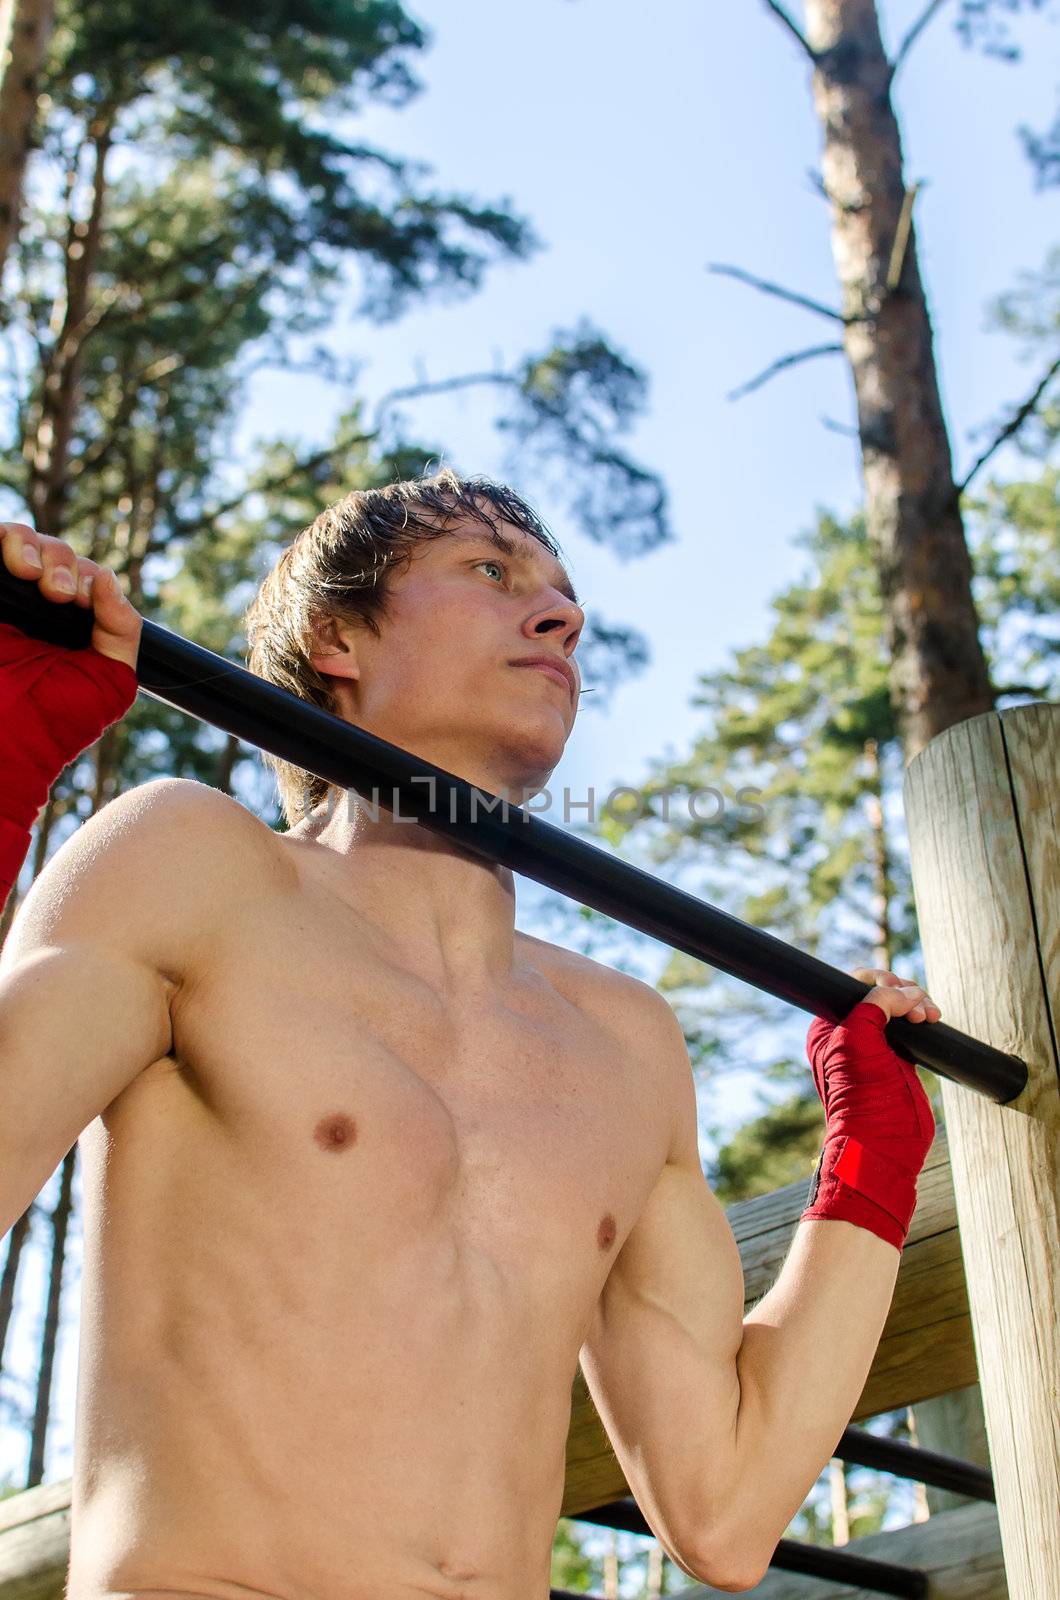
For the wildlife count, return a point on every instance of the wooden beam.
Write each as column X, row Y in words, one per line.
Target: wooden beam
column 959, row 1549
column 926, row 1348
column 35, row 1542
column 981, row 802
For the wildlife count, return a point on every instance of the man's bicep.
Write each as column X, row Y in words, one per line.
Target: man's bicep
column 78, row 1021
column 660, row 1360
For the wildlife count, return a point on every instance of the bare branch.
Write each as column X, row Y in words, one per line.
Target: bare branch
column 914, row 34
column 1036, row 690
column 843, row 428
column 796, row 32
column 782, row 294
column 278, row 480
column 1015, row 422
column 414, row 391
column 784, row 362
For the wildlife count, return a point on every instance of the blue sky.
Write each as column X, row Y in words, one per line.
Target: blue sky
column 643, row 144
column 641, row 152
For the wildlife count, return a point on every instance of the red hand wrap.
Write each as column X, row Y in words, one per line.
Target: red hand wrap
column 879, row 1126
column 54, row 703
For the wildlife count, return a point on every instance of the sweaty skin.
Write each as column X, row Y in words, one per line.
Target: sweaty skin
column 343, row 1244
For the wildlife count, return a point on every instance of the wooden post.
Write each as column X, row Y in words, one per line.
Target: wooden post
column 983, row 807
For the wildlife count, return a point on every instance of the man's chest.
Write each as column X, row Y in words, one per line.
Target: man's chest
column 514, row 1111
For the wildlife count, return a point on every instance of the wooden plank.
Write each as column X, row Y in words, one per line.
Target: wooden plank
column 926, row 1348
column 960, row 1549
column 982, row 802
column 35, row 1542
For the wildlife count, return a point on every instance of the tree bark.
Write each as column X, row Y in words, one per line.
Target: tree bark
column 938, row 673
column 60, row 1220
column 25, row 32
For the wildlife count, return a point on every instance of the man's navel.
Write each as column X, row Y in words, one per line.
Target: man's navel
column 605, row 1233
column 336, row 1131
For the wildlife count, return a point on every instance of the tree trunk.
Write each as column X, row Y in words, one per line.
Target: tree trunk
column 938, row 671
column 881, row 880
column 49, row 448
column 611, row 1573
column 653, row 1585
column 60, row 1222
column 15, row 1240
column 840, row 1502
column 25, row 31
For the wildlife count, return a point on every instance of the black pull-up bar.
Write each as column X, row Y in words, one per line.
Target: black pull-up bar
column 230, row 698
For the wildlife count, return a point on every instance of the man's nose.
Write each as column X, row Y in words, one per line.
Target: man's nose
column 560, row 616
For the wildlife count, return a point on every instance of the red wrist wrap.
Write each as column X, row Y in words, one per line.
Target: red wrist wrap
column 54, row 703
column 880, row 1126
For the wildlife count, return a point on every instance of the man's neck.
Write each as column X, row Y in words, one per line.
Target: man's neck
column 448, row 913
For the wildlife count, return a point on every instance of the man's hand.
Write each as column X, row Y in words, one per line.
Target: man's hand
column 897, row 997
column 880, row 1125
column 54, row 703
column 50, row 563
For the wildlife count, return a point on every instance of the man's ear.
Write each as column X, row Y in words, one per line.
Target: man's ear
column 333, row 651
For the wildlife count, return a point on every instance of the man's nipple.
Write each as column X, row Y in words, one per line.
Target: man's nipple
column 336, row 1131
column 605, row 1233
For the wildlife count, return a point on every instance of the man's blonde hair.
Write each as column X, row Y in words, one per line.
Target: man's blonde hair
column 337, row 567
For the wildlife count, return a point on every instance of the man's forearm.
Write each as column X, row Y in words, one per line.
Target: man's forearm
column 806, row 1352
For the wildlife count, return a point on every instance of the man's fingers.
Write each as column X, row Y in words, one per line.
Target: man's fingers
column 50, row 562
column 898, row 997
column 63, row 576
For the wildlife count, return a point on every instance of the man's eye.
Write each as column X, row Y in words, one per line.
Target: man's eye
column 491, row 563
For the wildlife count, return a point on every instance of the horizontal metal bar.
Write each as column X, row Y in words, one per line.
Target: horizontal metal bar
column 230, row 698
column 816, row 1561
column 859, row 1448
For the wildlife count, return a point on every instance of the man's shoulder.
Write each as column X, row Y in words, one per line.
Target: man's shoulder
column 184, row 825
column 187, row 797
column 625, row 1002
column 151, row 871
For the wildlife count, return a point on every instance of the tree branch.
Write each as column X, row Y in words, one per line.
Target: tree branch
column 1034, row 689
column 784, row 362
column 796, row 32
column 782, row 294
column 842, row 428
column 914, row 34
column 1013, row 425
column 414, row 391
column 278, row 480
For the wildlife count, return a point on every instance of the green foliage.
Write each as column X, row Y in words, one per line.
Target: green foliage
column 572, row 1567
column 1030, row 313
column 1017, row 586
column 773, row 1149
column 573, row 399
column 213, row 143
column 801, row 725
column 260, row 98
column 988, row 25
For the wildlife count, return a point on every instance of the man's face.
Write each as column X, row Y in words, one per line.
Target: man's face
column 443, row 680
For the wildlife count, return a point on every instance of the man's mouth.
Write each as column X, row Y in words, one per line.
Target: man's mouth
column 553, row 666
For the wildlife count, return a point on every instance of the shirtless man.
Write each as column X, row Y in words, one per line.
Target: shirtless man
column 366, row 1169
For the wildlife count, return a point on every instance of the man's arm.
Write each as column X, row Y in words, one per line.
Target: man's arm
column 722, row 1423
column 102, row 940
